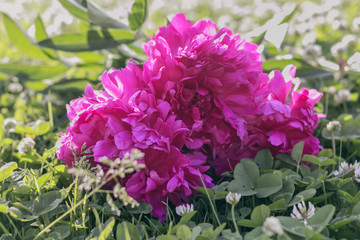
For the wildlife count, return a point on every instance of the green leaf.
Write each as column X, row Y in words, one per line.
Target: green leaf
column 127, row 231
column 164, row 237
column 60, row 232
column 286, row 192
column 22, row 213
column 302, row 196
column 345, row 195
column 20, row 129
column 356, row 209
column 291, row 225
column 90, row 40
column 264, row 159
column 247, row 223
column 42, row 128
column 321, row 218
column 1, row 129
column 75, row 9
column 228, row 235
column 107, row 229
column 47, row 202
column 256, row 233
column 138, row 14
column 245, row 174
column 213, row 234
column 304, row 69
column 183, row 232
column 297, row 151
column 278, row 205
column 3, row 206
column 288, row 17
column 286, row 158
column 206, row 191
column 311, row 159
column 19, row 38
column 40, row 34
column 267, row 184
column 143, row 208
column 339, row 222
column 186, row 218
column 98, row 17
column 28, row 72
column 7, row 170
column 259, row 214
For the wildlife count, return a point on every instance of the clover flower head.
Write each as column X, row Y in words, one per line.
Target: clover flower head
column 233, row 198
column 9, row 124
column 302, row 213
column 342, row 96
column 357, row 174
column 272, row 226
column 26, row 145
column 333, row 126
column 15, row 87
column 184, row 209
column 346, row 168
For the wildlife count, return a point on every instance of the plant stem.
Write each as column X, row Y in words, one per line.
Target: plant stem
column 210, row 200
column 71, row 209
column 324, row 189
column 4, row 229
column 233, row 218
column 334, row 149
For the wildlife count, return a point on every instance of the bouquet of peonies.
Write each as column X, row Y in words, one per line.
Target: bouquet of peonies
column 200, row 100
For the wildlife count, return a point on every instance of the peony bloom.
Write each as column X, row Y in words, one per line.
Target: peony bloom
column 285, row 122
column 212, row 80
column 111, row 123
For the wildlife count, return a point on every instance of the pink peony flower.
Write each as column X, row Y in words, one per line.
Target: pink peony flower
column 123, row 117
column 286, row 123
column 212, row 80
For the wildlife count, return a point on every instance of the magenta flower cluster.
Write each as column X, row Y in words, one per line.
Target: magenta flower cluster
column 200, row 100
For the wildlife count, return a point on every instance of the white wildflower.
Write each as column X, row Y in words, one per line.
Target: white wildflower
column 342, row 96
column 233, row 198
column 357, row 174
column 302, row 213
column 15, row 87
column 184, row 209
column 272, row 226
column 26, row 145
column 87, row 183
column 346, row 168
column 9, row 124
column 333, row 126
column 332, row 90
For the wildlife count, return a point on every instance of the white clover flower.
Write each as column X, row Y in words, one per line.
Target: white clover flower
column 302, row 213
column 345, row 167
column 333, row 126
column 272, row 226
column 233, row 198
column 26, row 145
column 342, row 96
column 9, row 124
column 357, row 174
column 332, row 90
column 184, row 209
column 15, row 87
